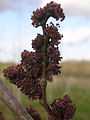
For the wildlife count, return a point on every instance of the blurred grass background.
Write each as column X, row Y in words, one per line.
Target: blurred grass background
column 74, row 80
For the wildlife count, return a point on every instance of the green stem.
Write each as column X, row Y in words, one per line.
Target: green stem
column 44, row 101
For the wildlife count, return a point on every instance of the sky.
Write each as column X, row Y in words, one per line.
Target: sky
column 17, row 32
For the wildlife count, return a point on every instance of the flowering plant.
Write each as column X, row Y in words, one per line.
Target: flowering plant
column 38, row 67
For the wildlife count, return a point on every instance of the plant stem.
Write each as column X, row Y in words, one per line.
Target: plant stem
column 44, row 80
column 11, row 101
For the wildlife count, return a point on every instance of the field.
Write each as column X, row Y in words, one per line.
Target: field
column 74, row 80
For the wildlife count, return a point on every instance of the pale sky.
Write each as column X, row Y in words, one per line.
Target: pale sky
column 17, row 32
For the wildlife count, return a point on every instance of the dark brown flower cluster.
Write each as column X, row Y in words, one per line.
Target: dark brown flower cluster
column 35, row 115
column 27, row 75
column 40, row 16
column 53, row 34
column 38, row 43
column 53, row 53
column 15, row 73
column 62, row 109
column 32, row 62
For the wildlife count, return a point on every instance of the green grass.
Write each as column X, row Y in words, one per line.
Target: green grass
column 74, row 81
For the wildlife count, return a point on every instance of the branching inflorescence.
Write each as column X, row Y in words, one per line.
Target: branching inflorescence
column 38, row 66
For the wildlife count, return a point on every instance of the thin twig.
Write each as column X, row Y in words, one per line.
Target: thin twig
column 11, row 101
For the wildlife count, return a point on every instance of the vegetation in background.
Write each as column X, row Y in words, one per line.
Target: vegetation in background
column 78, row 87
